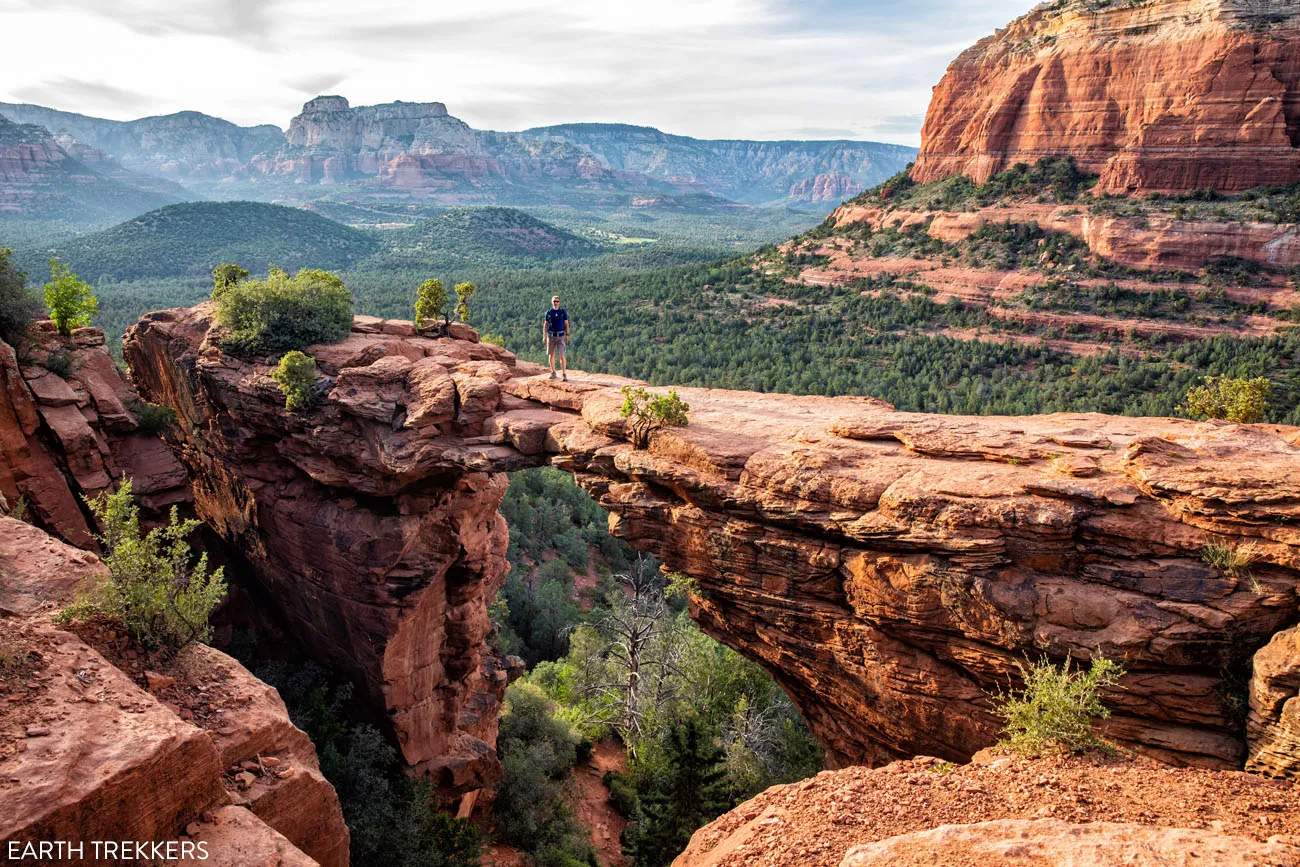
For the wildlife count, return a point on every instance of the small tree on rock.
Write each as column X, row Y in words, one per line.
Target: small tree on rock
column 296, row 375
column 648, row 412
column 464, row 292
column 70, row 300
column 430, row 302
column 1244, row 401
column 226, row 275
column 159, row 591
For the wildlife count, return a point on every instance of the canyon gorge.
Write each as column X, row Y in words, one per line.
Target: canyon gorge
column 891, row 570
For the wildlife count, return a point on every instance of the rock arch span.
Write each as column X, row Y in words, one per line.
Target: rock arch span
column 888, row 568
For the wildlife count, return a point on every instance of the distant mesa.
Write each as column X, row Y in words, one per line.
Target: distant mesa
column 417, row 150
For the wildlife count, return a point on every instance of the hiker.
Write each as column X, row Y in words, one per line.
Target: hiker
column 555, row 333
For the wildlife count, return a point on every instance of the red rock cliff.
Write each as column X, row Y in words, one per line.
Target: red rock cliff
column 888, row 568
column 71, row 436
column 1154, row 95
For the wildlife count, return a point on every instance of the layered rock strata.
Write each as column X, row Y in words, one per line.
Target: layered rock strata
column 889, row 569
column 1151, row 244
column 1154, row 95
column 371, row 521
column 87, row 753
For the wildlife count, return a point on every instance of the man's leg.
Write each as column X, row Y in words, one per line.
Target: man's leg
column 550, row 355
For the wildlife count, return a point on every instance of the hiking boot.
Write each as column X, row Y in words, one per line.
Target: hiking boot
column 564, row 376
column 552, row 374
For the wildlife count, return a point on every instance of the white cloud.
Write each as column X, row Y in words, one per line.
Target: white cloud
column 709, row 68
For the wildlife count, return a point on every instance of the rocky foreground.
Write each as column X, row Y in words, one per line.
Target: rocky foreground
column 1001, row 811
column 100, row 741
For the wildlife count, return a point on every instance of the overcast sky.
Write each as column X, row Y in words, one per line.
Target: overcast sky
column 761, row 69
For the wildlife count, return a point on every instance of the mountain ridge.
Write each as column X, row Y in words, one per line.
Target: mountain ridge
column 420, row 151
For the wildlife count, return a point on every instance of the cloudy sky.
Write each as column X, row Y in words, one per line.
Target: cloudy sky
column 762, row 69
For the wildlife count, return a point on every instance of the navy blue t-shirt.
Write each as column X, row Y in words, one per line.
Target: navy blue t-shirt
column 556, row 318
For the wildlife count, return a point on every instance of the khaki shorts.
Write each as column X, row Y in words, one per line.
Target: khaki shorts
column 556, row 345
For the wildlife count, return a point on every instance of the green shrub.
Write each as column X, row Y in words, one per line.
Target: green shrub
column 538, row 749
column 430, row 302
column 159, row 591
column 648, row 412
column 296, row 375
column 282, row 313
column 1056, row 709
column 622, row 792
column 1244, row 401
column 18, row 305
column 18, row 509
column 393, row 820
column 152, row 418
column 464, row 292
column 226, row 275
column 71, row 302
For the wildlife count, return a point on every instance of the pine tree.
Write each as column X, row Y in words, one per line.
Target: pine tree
column 692, row 794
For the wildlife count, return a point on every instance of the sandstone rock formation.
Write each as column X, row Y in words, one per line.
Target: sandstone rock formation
column 418, row 149
column 67, row 438
column 1006, row 811
column 889, row 569
column 372, row 521
column 1153, row 95
column 1150, row 243
column 829, row 187
column 185, row 145
column 1273, row 725
column 88, row 753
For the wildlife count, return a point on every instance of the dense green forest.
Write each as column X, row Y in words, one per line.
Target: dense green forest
column 723, row 324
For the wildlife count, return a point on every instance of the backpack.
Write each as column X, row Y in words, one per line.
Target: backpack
column 555, row 320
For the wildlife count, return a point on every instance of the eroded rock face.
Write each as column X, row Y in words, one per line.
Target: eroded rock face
column 371, row 520
column 1151, row 244
column 1273, row 726
column 1156, row 95
column 889, row 569
column 68, row 438
column 1011, row 842
column 87, row 752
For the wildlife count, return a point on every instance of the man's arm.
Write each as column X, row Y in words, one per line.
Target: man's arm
column 566, row 324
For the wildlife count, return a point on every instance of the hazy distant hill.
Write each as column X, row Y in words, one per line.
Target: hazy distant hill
column 752, row 172
column 44, row 179
column 177, row 146
column 189, row 239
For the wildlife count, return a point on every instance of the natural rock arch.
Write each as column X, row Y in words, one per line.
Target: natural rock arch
column 888, row 568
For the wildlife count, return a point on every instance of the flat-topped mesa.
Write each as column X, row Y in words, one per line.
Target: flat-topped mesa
column 1153, row 95
column 888, row 568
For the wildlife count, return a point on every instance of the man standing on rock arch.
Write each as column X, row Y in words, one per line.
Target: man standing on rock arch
column 555, row 334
